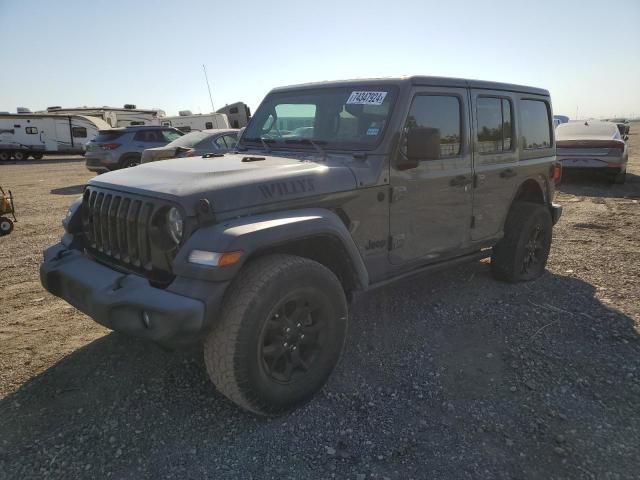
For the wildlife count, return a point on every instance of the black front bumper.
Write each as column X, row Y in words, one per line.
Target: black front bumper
column 556, row 212
column 127, row 303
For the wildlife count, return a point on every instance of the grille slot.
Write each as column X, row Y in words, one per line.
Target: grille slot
column 118, row 226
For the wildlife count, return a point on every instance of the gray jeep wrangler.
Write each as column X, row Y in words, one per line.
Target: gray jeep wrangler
column 335, row 188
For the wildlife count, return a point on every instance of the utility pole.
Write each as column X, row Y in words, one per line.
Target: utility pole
column 208, row 87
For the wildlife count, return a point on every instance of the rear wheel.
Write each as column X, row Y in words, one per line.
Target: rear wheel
column 37, row 156
column 523, row 251
column 281, row 332
column 6, row 226
column 130, row 162
column 20, row 155
column 5, row 155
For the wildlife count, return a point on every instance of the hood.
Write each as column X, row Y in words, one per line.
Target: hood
column 233, row 181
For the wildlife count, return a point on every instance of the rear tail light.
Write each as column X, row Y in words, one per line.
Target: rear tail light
column 109, row 146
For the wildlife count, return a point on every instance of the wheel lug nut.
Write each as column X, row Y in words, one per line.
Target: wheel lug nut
column 286, row 344
column 288, row 330
column 298, row 325
column 301, row 336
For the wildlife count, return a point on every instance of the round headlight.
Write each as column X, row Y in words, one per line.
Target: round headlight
column 175, row 224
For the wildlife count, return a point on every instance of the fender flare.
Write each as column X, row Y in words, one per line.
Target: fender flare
column 258, row 232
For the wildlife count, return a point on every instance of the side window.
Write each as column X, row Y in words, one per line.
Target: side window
column 170, row 135
column 33, row 130
column 148, row 136
column 535, row 124
column 231, row 140
column 208, row 125
column 494, row 124
column 221, row 142
column 79, row 132
column 440, row 113
column 233, row 110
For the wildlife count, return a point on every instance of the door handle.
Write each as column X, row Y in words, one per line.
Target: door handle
column 508, row 173
column 460, row 181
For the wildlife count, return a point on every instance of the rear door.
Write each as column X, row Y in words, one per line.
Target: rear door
column 430, row 210
column 495, row 160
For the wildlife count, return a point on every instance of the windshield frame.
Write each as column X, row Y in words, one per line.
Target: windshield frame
column 302, row 144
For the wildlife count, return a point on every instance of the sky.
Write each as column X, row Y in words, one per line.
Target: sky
column 150, row 53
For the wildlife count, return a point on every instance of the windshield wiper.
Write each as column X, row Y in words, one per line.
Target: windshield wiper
column 315, row 143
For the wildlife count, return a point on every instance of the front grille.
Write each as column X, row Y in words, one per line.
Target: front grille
column 118, row 229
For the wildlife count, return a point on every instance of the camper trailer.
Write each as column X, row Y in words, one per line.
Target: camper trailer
column 238, row 114
column 187, row 121
column 115, row 117
column 24, row 135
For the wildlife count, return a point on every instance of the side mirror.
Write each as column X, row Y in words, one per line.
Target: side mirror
column 420, row 144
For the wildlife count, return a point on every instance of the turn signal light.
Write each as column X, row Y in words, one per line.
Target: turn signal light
column 215, row 259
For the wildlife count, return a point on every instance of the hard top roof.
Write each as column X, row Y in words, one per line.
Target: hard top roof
column 421, row 81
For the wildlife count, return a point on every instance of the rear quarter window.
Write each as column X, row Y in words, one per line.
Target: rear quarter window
column 535, row 124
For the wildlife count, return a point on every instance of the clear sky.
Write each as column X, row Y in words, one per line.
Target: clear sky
column 150, row 53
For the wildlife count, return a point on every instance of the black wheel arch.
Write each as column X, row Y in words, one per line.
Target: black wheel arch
column 315, row 233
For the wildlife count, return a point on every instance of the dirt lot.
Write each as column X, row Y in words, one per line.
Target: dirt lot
column 448, row 376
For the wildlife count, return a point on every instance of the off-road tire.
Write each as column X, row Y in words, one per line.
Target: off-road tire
column 6, row 226
column 131, row 161
column 38, row 156
column 20, row 155
column 232, row 350
column 5, row 155
column 509, row 254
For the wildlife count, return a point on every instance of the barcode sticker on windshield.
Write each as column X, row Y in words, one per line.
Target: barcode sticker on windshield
column 366, row 98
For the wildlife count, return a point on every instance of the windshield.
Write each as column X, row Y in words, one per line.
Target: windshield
column 190, row 139
column 340, row 118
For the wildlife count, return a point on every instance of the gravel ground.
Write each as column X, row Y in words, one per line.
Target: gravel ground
column 452, row 375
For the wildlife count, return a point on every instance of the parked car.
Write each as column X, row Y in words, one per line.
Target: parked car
column 559, row 120
column 593, row 145
column 194, row 144
column 122, row 147
column 256, row 254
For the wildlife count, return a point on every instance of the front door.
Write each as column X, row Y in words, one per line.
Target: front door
column 430, row 209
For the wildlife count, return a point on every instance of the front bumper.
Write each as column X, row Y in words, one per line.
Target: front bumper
column 126, row 302
column 556, row 212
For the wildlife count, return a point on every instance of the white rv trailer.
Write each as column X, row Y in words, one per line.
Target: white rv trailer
column 116, row 117
column 24, row 135
column 186, row 121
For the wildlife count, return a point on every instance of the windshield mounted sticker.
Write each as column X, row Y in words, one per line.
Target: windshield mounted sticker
column 366, row 98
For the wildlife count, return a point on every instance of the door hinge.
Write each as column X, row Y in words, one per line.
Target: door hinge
column 396, row 241
column 473, row 221
column 397, row 194
column 475, row 181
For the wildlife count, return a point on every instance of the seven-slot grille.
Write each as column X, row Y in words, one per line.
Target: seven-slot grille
column 117, row 225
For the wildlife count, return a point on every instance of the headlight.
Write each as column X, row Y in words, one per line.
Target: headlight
column 175, row 224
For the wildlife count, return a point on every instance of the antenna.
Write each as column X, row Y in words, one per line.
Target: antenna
column 208, row 87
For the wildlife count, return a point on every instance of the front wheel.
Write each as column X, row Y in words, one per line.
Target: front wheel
column 522, row 253
column 6, row 226
column 280, row 335
column 5, row 155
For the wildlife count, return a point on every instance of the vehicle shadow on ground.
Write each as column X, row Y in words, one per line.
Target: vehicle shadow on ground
column 595, row 184
column 454, row 373
column 71, row 190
